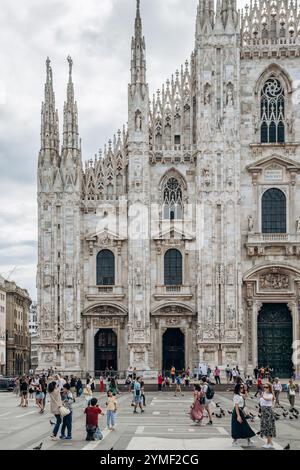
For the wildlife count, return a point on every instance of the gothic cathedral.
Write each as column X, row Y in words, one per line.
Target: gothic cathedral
column 180, row 243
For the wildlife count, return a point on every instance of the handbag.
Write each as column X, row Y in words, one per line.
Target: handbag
column 64, row 411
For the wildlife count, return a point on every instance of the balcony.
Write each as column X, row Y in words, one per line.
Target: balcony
column 96, row 293
column 285, row 244
column 170, row 292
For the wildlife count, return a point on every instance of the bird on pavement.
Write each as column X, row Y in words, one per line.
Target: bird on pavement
column 291, row 417
column 296, row 416
column 218, row 405
column 39, row 447
column 222, row 412
column 229, row 412
column 287, row 447
column 218, row 416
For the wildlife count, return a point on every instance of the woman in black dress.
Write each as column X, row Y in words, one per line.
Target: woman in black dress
column 240, row 428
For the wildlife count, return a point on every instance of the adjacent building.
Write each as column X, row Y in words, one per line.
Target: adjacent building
column 2, row 327
column 17, row 329
column 180, row 243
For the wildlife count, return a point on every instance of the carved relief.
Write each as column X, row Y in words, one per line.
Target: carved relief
column 274, row 281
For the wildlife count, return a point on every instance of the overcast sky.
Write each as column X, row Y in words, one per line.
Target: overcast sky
column 97, row 34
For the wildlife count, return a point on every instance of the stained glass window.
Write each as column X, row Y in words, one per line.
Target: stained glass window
column 272, row 112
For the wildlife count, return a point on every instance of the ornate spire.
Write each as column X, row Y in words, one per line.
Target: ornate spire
column 70, row 131
column 49, row 124
column 138, row 51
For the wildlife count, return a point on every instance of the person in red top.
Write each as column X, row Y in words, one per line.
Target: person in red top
column 159, row 382
column 92, row 413
column 259, row 387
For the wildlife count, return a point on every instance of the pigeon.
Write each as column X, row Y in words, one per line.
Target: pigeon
column 256, row 406
column 287, row 447
column 222, row 412
column 39, row 447
column 296, row 416
column 258, row 433
column 218, row 416
column 218, row 405
column 291, row 417
column 111, row 448
column 252, row 398
column 285, row 414
column 229, row 412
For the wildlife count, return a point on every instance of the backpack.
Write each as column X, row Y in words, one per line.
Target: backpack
column 210, row 392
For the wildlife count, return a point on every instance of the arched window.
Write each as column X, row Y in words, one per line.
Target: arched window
column 274, row 211
column 173, row 268
column 272, row 112
column 172, row 199
column 105, row 268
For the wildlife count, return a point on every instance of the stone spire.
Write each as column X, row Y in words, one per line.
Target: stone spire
column 70, row 129
column 49, row 125
column 138, row 51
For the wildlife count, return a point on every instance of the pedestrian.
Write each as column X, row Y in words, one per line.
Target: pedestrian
column 40, row 397
column 143, row 393
column 79, row 388
column 55, row 404
column 293, row 373
column 92, row 413
column 92, row 382
column 256, row 372
column 178, row 381
column 173, row 371
column 267, row 423
column 234, row 375
column 208, row 394
column 259, row 387
column 159, row 382
column 228, row 373
column 217, row 374
column 277, row 389
column 240, row 428
column 73, row 387
column 87, row 392
column 67, row 400
column 137, row 396
column 24, row 392
column 113, row 386
column 102, row 384
column 208, row 372
column 111, row 410
column 197, row 407
column 291, row 394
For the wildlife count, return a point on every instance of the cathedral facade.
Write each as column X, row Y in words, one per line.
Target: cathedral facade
column 180, row 243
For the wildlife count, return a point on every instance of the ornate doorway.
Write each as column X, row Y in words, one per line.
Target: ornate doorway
column 173, row 349
column 275, row 338
column 106, row 355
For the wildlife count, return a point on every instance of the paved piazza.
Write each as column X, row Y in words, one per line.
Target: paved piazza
column 165, row 425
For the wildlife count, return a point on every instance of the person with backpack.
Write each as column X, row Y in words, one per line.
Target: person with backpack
column 208, row 393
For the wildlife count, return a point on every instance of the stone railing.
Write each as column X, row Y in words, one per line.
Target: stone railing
column 162, row 292
column 97, row 292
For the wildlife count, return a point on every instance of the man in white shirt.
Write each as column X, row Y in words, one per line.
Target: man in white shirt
column 277, row 389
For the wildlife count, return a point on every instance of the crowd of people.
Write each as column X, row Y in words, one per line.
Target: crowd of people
column 269, row 396
column 63, row 391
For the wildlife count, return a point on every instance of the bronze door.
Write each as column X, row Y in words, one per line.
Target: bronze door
column 275, row 338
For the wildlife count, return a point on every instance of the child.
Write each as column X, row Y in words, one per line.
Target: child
column 92, row 413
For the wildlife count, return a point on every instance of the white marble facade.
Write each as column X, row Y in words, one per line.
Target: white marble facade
column 203, row 131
